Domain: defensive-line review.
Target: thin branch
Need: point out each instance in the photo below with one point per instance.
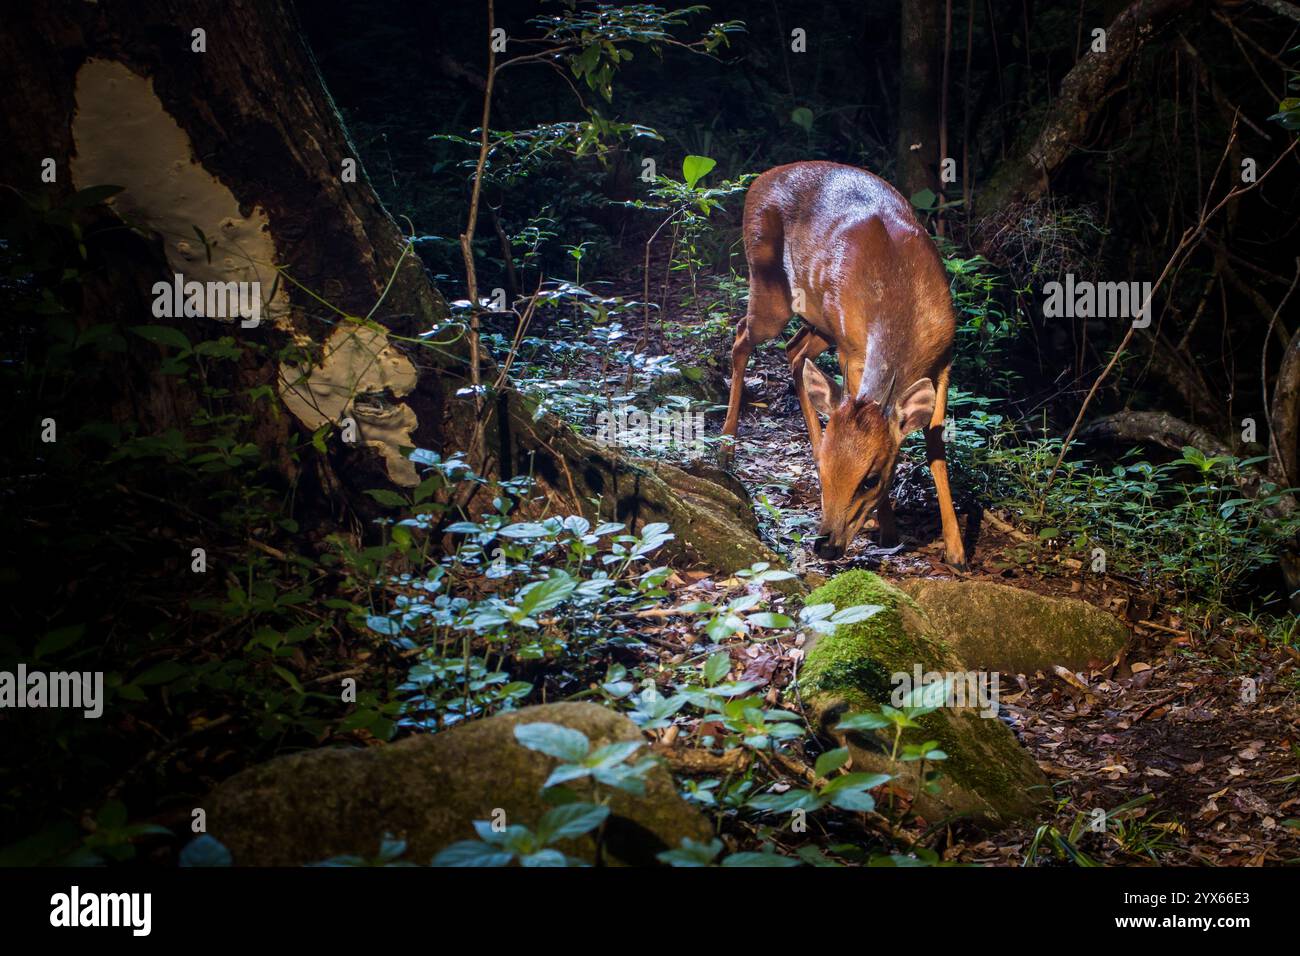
(520, 329)
(467, 241)
(1281, 8)
(1191, 238)
(1274, 448)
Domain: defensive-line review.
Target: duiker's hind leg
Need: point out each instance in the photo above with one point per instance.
(769, 311)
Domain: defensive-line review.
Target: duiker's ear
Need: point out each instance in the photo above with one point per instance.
(823, 393)
(915, 407)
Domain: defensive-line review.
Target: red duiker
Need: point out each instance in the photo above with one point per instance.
(842, 249)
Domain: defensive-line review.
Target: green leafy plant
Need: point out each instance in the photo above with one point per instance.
(500, 844)
(693, 853)
(529, 847)
(848, 791)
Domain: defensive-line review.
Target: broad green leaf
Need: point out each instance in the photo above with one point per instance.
(925, 199)
(544, 858)
(691, 853)
(163, 335)
(760, 859)
(57, 640)
(92, 195)
(544, 595)
(112, 815)
(161, 673)
(929, 695)
(816, 612)
(856, 781)
(862, 722)
(615, 753)
(717, 667)
(831, 761)
(694, 168)
(554, 741)
(768, 619)
(525, 529)
(288, 677)
(205, 850)
(855, 801)
(383, 625)
(389, 499)
(472, 853)
(570, 820)
(852, 615)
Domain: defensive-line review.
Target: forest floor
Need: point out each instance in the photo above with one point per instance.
(1167, 717)
(1169, 728)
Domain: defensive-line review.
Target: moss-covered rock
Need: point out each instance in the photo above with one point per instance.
(428, 790)
(992, 626)
(987, 774)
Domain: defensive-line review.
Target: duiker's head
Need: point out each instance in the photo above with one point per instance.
(855, 459)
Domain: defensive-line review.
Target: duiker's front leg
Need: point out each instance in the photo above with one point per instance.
(741, 349)
(954, 551)
(885, 519)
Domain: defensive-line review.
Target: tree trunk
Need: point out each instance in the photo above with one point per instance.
(236, 167)
(1284, 418)
(1084, 91)
(918, 97)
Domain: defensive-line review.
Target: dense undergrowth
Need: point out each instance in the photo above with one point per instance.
(462, 615)
(439, 613)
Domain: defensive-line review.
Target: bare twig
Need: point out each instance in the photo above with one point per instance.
(520, 329)
(467, 240)
(1191, 238)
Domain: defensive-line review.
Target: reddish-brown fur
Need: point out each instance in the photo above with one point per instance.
(873, 288)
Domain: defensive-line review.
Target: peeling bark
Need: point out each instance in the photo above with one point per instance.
(1158, 428)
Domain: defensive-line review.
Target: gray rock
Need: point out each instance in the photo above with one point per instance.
(992, 626)
(428, 790)
(988, 774)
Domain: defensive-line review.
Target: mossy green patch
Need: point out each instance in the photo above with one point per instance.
(864, 655)
(987, 772)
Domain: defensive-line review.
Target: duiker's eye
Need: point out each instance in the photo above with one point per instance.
(870, 482)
